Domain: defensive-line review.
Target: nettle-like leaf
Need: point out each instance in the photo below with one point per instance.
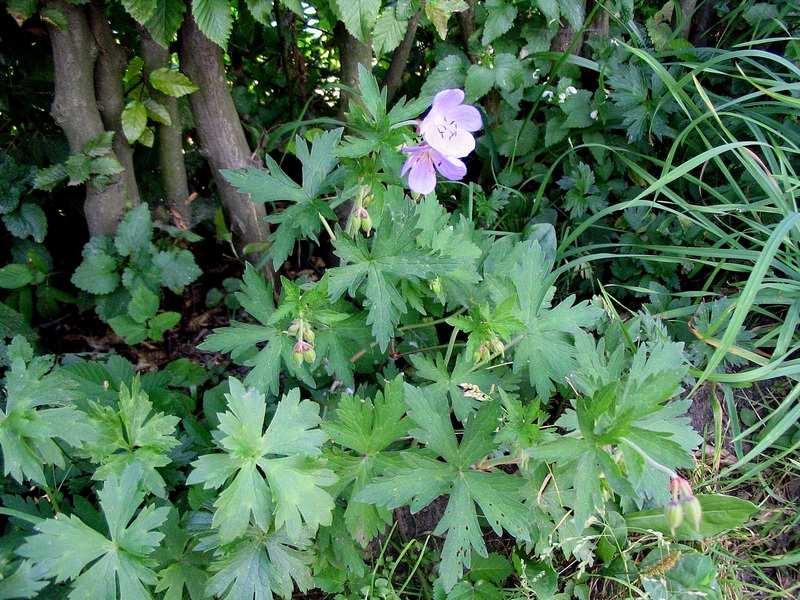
(132, 433)
(367, 428)
(134, 120)
(500, 18)
(167, 17)
(359, 17)
(271, 477)
(214, 19)
(171, 82)
(300, 220)
(103, 567)
(141, 10)
(423, 478)
(38, 410)
(439, 11)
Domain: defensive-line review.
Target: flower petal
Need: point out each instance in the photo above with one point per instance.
(422, 178)
(467, 116)
(446, 99)
(453, 142)
(449, 166)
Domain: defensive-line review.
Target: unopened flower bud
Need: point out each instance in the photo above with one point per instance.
(310, 335)
(481, 354)
(366, 222)
(310, 355)
(298, 358)
(497, 346)
(294, 328)
(356, 223)
(693, 511)
(436, 286)
(673, 511)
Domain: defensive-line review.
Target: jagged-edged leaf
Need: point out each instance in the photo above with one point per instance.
(214, 18)
(171, 82)
(135, 232)
(358, 16)
(134, 120)
(165, 20)
(28, 220)
(141, 10)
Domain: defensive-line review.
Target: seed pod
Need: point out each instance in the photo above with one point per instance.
(673, 511)
(497, 346)
(693, 511)
(298, 358)
(356, 223)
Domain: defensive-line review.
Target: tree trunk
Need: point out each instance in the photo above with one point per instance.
(168, 137)
(221, 135)
(352, 52)
(75, 110)
(108, 73)
(394, 74)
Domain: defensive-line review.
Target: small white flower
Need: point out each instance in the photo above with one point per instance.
(594, 114)
(548, 94)
(561, 98)
(536, 74)
(571, 90)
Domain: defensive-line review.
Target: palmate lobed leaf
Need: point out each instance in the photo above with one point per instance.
(66, 546)
(424, 478)
(276, 475)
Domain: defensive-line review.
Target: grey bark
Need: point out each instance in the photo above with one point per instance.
(108, 73)
(169, 138)
(221, 135)
(394, 74)
(352, 52)
(75, 110)
(687, 12)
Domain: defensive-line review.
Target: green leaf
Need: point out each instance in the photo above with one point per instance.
(28, 220)
(15, 276)
(21, 10)
(132, 434)
(499, 20)
(133, 331)
(134, 120)
(479, 81)
(181, 566)
(389, 31)
(369, 426)
(37, 410)
(47, 179)
(78, 168)
(97, 274)
(423, 479)
(135, 232)
(66, 547)
(105, 165)
(141, 10)
(178, 268)
(214, 18)
(257, 567)
(100, 146)
(359, 17)
(720, 514)
(143, 305)
(165, 21)
(157, 112)
(164, 321)
(439, 11)
(171, 82)
(276, 474)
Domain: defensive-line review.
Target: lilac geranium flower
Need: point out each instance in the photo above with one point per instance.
(449, 125)
(423, 163)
